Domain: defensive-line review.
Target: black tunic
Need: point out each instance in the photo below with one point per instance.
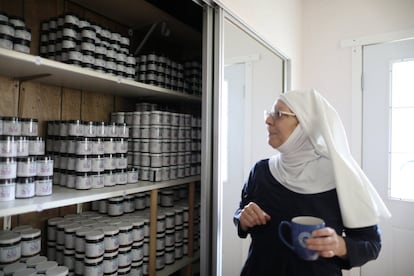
(269, 256)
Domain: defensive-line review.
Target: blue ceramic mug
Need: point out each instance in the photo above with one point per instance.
(301, 229)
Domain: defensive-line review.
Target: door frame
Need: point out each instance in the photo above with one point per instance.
(357, 46)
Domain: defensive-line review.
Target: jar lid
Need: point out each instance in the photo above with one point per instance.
(35, 260)
(8, 181)
(43, 267)
(30, 233)
(72, 227)
(58, 271)
(14, 267)
(54, 221)
(110, 230)
(125, 225)
(83, 230)
(44, 158)
(26, 272)
(36, 138)
(20, 228)
(6, 138)
(116, 199)
(94, 235)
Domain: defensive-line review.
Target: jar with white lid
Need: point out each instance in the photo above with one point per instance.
(100, 129)
(8, 167)
(125, 233)
(25, 187)
(44, 165)
(121, 177)
(29, 127)
(155, 145)
(11, 126)
(43, 185)
(132, 175)
(111, 239)
(121, 161)
(43, 267)
(137, 251)
(10, 250)
(93, 266)
(124, 257)
(26, 166)
(22, 145)
(160, 260)
(51, 251)
(80, 239)
(109, 145)
(115, 206)
(94, 244)
(7, 189)
(8, 146)
(109, 178)
(169, 255)
(69, 259)
(52, 228)
(97, 180)
(97, 163)
(89, 128)
(140, 201)
(70, 235)
(75, 128)
(129, 204)
(97, 145)
(122, 130)
(110, 263)
(83, 163)
(10, 269)
(83, 146)
(57, 271)
(109, 162)
(79, 264)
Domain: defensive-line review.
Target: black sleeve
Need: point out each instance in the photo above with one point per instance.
(362, 244)
(245, 199)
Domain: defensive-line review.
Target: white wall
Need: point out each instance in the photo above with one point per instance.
(279, 22)
(327, 66)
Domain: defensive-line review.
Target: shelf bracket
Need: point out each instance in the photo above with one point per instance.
(7, 223)
(79, 208)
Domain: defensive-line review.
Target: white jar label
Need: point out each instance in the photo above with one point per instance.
(30, 247)
(25, 190)
(10, 254)
(7, 192)
(43, 187)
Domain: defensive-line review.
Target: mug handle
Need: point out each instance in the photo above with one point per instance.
(281, 225)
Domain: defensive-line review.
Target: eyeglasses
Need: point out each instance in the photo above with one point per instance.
(277, 114)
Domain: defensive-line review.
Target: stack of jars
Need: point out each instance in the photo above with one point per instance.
(74, 40)
(19, 245)
(89, 154)
(24, 169)
(159, 70)
(14, 35)
(94, 244)
(164, 145)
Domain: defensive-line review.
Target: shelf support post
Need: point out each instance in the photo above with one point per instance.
(7, 223)
(153, 233)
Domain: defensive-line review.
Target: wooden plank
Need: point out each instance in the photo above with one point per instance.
(12, 7)
(9, 92)
(96, 107)
(35, 11)
(40, 101)
(124, 104)
(71, 104)
(153, 233)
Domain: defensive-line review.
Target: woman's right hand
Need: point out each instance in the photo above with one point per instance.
(252, 215)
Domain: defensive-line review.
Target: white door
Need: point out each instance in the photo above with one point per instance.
(388, 149)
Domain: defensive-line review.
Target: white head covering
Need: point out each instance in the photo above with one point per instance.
(317, 144)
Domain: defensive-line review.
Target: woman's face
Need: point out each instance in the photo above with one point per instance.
(280, 127)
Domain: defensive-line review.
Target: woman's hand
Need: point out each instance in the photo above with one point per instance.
(327, 242)
(252, 215)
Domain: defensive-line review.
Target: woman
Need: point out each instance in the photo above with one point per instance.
(313, 174)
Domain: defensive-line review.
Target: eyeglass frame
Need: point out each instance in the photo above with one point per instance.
(279, 113)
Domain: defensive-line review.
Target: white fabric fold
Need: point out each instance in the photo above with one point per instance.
(359, 201)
